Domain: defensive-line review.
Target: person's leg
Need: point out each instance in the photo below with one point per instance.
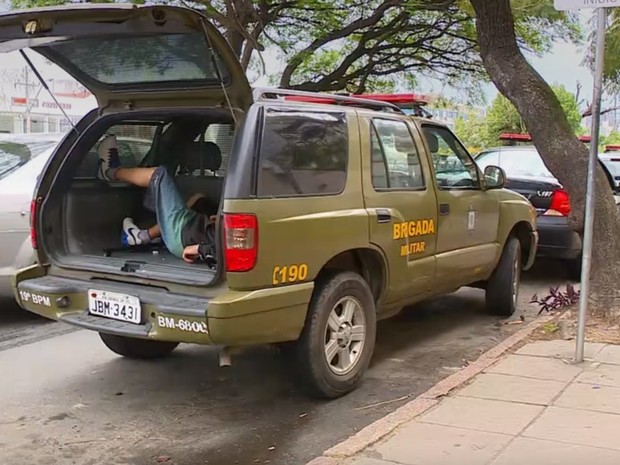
(133, 235)
(109, 161)
(154, 231)
(140, 177)
(193, 199)
(172, 212)
(136, 236)
(110, 168)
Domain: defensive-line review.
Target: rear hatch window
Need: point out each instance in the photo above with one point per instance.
(121, 61)
(124, 53)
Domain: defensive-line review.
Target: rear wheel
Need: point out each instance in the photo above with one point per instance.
(574, 269)
(137, 348)
(338, 339)
(503, 286)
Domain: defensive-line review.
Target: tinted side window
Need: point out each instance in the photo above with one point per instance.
(303, 153)
(395, 159)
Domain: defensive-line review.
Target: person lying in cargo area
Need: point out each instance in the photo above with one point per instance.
(186, 233)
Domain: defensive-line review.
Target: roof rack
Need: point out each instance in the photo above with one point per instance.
(268, 93)
(514, 138)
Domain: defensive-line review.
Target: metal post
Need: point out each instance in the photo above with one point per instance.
(591, 186)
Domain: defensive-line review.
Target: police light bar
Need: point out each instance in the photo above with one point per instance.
(515, 137)
(612, 148)
(402, 100)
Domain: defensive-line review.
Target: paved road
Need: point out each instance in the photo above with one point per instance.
(68, 400)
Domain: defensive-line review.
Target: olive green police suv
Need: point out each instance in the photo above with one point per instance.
(330, 215)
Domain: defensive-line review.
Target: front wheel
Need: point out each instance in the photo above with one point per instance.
(143, 349)
(503, 286)
(338, 339)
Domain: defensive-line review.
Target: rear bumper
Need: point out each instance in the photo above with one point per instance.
(232, 318)
(557, 239)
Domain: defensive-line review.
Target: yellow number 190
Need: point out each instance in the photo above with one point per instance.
(290, 274)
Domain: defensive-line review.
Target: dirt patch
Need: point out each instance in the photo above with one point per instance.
(564, 326)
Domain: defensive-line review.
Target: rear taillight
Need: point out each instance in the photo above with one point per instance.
(560, 204)
(33, 222)
(240, 241)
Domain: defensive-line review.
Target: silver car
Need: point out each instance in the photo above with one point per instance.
(22, 158)
(611, 159)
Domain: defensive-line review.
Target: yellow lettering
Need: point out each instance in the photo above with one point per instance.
(412, 248)
(413, 229)
(404, 250)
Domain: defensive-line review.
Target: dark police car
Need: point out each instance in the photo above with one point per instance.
(527, 174)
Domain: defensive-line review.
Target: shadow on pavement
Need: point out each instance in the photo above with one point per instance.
(188, 409)
(10, 312)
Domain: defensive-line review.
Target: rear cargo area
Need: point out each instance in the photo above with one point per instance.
(83, 215)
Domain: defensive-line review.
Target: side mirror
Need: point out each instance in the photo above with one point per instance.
(494, 177)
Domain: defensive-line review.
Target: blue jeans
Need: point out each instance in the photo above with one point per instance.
(163, 197)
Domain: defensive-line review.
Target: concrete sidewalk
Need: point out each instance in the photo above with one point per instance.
(531, 407)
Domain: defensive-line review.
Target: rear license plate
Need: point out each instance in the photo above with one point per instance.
(108, 304)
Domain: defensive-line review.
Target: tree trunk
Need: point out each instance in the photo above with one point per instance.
(561, 151)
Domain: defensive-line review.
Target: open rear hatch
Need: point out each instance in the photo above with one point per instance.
(132, 58)
(126, 54)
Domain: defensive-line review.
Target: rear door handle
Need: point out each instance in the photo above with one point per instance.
(444, 208)
(383, 215)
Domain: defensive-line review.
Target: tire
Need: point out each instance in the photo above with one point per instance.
(142, 349)
(574, 269)
(340, 375)
(503, 286)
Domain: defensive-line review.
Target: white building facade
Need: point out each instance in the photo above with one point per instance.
(27, 107)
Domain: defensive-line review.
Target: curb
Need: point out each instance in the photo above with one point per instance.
(384, 426)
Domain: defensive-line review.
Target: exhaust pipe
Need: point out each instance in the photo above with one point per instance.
(225, 357)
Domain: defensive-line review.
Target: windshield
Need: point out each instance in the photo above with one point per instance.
(16, 151)
(515, 162)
